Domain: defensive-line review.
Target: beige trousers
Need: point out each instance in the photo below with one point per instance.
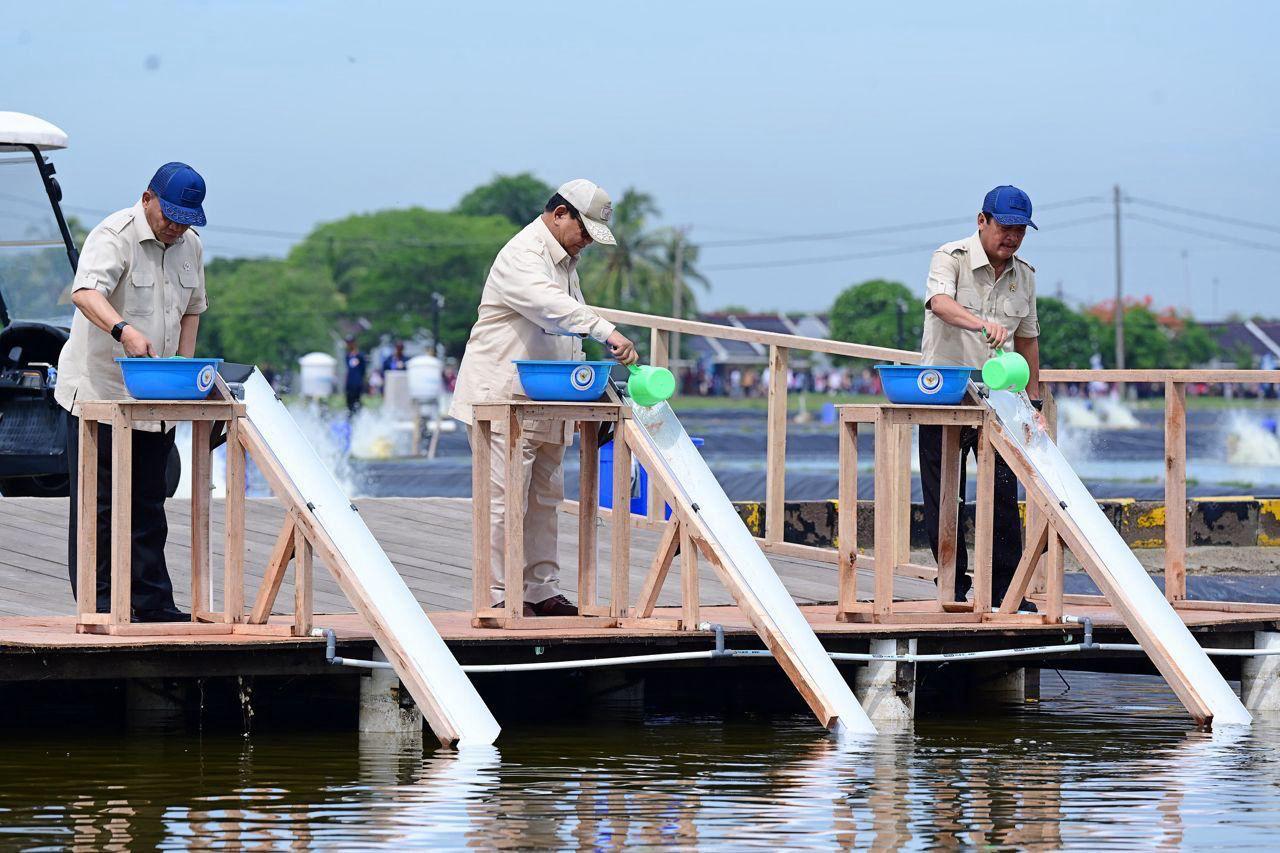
(544, 489)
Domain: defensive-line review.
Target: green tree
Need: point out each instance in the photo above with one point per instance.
(267, 312)
(878, 313)
(387, 265)
(1067, 338)
(1152, 340)
(517, 197)
(624, 275)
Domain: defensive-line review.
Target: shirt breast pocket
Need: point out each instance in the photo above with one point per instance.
(140, 299)
(1017, 307)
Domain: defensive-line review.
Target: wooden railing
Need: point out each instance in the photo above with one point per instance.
(780, 347)
(1175, 447)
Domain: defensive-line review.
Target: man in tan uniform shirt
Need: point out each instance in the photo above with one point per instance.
(981, 296)
(532, 308)
(139, 291)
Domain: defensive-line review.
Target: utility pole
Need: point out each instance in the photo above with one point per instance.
(677, 294)
(1119, 314)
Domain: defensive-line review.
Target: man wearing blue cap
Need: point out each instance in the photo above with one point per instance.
(139, 290)
(981, 298)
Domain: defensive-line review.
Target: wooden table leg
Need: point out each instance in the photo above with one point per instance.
(588, 509)
(201, 484)
(233, 528)
(1053, 578)
(619, 594)
(847, 518)
(302, 582)
(949, 538)
(516, 495)
(87, 519)
(984, 521)
(690, 592)
(886, 527)
(481, 516)
(121, 518)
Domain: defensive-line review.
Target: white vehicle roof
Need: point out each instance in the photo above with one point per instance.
(21, 129)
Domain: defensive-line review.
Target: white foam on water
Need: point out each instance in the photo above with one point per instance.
(1115, 414)
(1076, 413)
(1248, 442)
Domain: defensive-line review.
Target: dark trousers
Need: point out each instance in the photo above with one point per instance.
(1006, 546)
(151, 587)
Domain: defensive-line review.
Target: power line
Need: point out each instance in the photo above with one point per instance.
(876, 253)
(871, 232)
(1187, 229)
(1229, 220)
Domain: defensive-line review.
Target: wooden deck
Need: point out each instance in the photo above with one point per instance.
(429, 542)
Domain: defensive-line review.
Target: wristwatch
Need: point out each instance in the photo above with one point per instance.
(118, 329)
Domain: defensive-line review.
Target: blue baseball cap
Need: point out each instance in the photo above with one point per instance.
(180, 191)
(1009, 205)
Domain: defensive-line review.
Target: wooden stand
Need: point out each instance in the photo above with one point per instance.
(892, 521)
(514, 416)
(294, 541)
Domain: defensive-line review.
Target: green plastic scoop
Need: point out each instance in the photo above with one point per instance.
(1008, 371)
(649, 385)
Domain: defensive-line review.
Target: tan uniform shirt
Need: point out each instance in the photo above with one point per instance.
(962, 271)
(531, 300)
(151, 285)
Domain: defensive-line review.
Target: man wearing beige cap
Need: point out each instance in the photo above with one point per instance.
(532, 308)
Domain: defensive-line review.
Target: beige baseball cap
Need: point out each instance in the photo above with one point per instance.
(593, 206)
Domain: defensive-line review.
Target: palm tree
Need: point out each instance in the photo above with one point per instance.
(618, 276)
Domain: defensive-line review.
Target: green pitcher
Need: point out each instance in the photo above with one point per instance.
(1007, 371)
(649, 385)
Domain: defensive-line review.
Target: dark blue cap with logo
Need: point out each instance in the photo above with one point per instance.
(1009, 205)
(180, 191)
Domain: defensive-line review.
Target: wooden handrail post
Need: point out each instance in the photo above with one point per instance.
(1175, 491)
(776, 447)
(659, 356)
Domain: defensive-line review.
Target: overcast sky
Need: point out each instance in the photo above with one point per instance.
(744, 120)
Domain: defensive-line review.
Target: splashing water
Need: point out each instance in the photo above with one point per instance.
(1074, 412)
(331, 437)
(1248, 442)
(379, 434)
(1115, 413)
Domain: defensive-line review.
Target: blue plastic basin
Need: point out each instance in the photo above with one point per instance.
(169, 378)
(565, 381)
(924, 384)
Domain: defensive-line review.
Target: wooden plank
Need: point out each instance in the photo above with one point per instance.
(277, 566)
(1175, 491)
(481, 515)
(87, 520)
(121, 518)
(302, 583)
(886, 527)
(542, 411)
(619, 594)
(233, 527)
(201, 494)
(1053, 571)
(776, 445)
(984, 521)
(1037, 542)
(902, 511)
(948, 513)
(658, 570)
(588, 507)
(847, 517)
(690, 594)
(157, 410)
(737, 333)
(515, 495)
(1258, 607)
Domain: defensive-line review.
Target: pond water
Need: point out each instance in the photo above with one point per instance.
(1111, 762)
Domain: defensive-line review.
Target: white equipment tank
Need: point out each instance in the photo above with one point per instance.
(316, 374)
(425, 380)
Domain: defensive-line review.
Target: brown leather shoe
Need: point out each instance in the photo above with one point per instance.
(556, 605)
(527, 611)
